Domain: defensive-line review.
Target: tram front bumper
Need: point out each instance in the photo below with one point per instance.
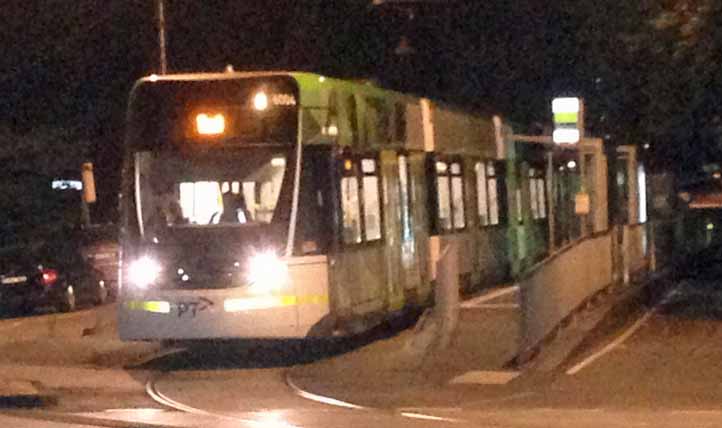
(218, 315)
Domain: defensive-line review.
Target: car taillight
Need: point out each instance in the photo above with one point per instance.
(49, 276)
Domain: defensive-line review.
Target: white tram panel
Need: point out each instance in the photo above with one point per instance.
(231, 313)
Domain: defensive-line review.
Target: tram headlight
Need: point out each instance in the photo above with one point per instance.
(144, 271)
(260, 101)
(267, 273)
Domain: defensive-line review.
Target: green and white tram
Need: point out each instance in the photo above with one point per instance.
(279, 205)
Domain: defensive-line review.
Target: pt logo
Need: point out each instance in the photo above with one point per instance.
(193, 307)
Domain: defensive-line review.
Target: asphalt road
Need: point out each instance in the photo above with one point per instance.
(668, 356)
(239, 385)
(659, 366)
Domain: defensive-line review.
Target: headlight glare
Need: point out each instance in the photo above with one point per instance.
(267, 273)
(144, 271)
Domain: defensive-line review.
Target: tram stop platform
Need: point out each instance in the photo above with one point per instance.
(477, 370)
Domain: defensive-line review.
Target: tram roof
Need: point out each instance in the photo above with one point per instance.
(308, 82)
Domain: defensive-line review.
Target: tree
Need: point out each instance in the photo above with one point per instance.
(648, 72)
(29, 163)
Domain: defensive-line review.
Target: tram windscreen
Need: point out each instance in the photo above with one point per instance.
(211, 190)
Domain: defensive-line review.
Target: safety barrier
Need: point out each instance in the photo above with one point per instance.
(636, 241)
(555, 287)
(558, 286)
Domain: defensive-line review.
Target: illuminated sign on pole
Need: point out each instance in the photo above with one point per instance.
(568, 120)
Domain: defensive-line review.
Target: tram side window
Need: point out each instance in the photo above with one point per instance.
(450, 192)
(372, 203)
(444, 199)
(536, 191)
(404, 196)
(315, 213)
(533, 195)
(493, 189)
(361, 202)
(351, 211)
(482, 203)
(541, 186)
(457, 196)
(487, 193)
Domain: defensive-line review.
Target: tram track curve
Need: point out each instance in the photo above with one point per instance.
(159, 397)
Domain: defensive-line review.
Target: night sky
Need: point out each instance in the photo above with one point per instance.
(70, 65)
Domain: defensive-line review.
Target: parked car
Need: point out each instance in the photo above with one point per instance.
(41, 247)
(39, 275)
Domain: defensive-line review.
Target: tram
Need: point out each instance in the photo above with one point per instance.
(292, 205)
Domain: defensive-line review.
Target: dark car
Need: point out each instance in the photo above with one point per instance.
(42, 274)
(41, 247)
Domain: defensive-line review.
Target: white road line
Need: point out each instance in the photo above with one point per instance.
(498, 306)
(428, 409)
(427, 417)
(320, 398)
(619, 340)
(476, 301)
(485, 377)
(338, 403)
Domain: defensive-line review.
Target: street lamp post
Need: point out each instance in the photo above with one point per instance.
(161, 37)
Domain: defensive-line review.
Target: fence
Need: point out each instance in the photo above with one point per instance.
(557, 286)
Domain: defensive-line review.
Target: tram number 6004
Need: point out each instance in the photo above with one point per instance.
(193, 307)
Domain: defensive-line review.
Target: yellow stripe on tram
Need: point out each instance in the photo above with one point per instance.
(159, 307)
(312, 299)
(239, 304)
(268, 302)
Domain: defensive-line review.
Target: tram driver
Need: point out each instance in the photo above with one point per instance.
(234, 208)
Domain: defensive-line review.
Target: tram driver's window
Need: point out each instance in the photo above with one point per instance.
(350, 210)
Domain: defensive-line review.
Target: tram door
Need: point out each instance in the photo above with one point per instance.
(392, 233)
(408, 230)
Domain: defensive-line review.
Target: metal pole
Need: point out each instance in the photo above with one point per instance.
(161, 36)
(447, 294)
(551, 200)
(584, 189)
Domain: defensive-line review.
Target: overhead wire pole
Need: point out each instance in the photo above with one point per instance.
(161, 37)
(444, 317)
